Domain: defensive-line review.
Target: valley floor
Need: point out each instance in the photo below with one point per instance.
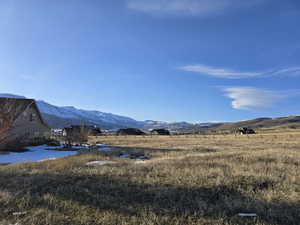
(189, 180)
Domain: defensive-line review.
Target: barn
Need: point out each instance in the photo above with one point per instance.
(21, 123)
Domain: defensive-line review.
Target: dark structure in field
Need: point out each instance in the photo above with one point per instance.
(75, 130)
(80, 133)
(130, 131)
(21, 123)
(246, 130)
(160, 132)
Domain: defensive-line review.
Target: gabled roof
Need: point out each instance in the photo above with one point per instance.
(16, 107)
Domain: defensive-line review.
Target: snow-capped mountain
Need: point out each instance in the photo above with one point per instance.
(74, 115)
(151, 124)
(59, 117)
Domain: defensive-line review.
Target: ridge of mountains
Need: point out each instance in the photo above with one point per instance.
(59, 117)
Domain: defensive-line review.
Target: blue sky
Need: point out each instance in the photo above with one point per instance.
(170, 60)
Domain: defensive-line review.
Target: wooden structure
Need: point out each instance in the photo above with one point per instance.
(160, 132)
(245, 130)
(21, 123)
(80, 133)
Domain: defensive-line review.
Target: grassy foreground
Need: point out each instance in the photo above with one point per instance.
(204, 180)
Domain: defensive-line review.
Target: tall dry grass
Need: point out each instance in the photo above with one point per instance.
(189, 180)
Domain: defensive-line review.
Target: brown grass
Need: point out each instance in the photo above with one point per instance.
(189, 180)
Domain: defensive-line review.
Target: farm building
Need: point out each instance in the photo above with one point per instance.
(79, 133)
(130, 131)
(246, 130)
(76, 130)
(160, 132)
(21, 123)
(56, 132)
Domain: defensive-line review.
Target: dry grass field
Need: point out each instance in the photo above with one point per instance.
(189, 180)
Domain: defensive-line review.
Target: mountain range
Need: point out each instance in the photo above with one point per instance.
(64, 116)
(59, 117)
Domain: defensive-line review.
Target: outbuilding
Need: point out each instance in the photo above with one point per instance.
(21, 123)
(160, 132)
(246, 130)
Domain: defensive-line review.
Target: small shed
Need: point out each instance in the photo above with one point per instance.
(246, 130)
(81, 130)
(160, 132)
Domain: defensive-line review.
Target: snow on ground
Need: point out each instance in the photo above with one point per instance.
(35, 154)
(44, 153)
(140, 162)
(124, 156)
(106, 149)
(100, 163)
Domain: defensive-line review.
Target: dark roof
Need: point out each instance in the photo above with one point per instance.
(130, 131)
(16, 107)
(161, 131)
(78, 128)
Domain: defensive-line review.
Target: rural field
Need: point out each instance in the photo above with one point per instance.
(189, 180)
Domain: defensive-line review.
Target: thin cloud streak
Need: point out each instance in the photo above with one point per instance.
(231, 74)
(292, 70)
(251, 98)
(218, 72)
(190, 7)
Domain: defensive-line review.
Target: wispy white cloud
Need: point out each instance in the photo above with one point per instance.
(251, 98)
(218, 72)
(232, 74)
(190, 7)
(293, 71)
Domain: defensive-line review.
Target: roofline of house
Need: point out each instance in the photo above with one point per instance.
(33, 102)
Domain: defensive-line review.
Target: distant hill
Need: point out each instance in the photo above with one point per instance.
(281, 122)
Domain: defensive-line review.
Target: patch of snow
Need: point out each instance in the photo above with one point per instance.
(100, 163)
(35, 154)
(247, 214)
(100, 145)
(19, 213)
(105, 149)
(142, 158)
(48, 159)
(140, 162)
(124, 156)
(80, 147)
